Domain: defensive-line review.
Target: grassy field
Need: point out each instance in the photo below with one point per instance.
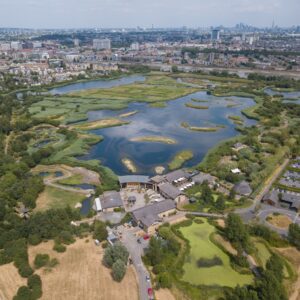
(180, 158)
(192, 105)
(201, 129)
(53, 197)
(81, 275)
(202, 247)
(10, 281)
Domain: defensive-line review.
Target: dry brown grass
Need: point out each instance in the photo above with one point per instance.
(293, 255)
(225, 244)
(280, 221)
(164, 294)
(10, 281)
(81, 275)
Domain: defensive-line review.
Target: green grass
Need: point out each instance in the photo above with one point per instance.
(73, 180)
(180, 158)
(198, 236)
(263, 253)
(58, 198)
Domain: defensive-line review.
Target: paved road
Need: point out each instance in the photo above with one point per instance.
(136, 251)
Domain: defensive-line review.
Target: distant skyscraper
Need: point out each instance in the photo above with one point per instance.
(215, 34)
(76, 42)
(100, 44)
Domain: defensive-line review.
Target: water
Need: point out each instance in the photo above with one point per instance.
(58, 174)
(165, 122)
(86, 206)
(42, 143)
(83, 186)
(96, 84)
(288, 97)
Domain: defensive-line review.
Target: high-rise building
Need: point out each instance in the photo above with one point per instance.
(16, 45)
(100, 44)
(215, 34)
(135, 46)
(76, 42)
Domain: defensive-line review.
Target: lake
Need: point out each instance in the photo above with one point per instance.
(96, 84)
(166, 121)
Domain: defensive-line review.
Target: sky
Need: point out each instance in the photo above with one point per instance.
(144, 13)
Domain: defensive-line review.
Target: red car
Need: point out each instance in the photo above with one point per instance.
(146, 237)
(150, 293)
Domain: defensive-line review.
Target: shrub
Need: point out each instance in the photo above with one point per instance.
(34, 239)
(41, 260)
(59, 247)
(158, 269)
(164, 281)
(53, 262)
(209, 262)
(198, 221)
(118, 270)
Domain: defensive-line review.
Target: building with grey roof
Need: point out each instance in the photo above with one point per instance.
(243, 188)
(110, 200)
(135, 181)
(202, 177)
(176, 175)
(150, 217)
(271, 198)
(292, 199)
(169, 191)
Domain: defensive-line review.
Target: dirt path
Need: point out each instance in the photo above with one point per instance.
(296, 294)
(7, 141)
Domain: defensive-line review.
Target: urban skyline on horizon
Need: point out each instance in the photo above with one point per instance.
(68, 14)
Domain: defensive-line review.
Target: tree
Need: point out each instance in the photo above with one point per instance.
(294, 235)
(236, 232)
(114, 253)
(206, 193)
(242, 293)
(100, 231)
(275, 265)
(118, 270)
(41, 260)
(220, 203)
(232, 194)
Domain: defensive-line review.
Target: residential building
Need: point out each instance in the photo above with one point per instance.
(100, 44)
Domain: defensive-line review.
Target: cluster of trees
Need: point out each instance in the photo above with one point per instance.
(294, 235)
(32, 291)
(116, 258)
(161, 254)
(267, 286)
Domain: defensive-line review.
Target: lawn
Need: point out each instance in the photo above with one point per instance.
(53, 197)
(202, 248)
(263, 253)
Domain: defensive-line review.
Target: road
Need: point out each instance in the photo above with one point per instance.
(249, 213)
(136, 251)
(267, 210)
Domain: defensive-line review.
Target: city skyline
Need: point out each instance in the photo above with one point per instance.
(133, 13)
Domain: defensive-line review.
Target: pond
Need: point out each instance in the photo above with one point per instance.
(166, 122)
(288, 97)
(86, 206)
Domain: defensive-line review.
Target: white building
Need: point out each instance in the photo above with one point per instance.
(16, 45)
(100, 44)
(135, 47)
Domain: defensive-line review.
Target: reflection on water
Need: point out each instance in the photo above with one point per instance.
(165, 122)
(289, 97)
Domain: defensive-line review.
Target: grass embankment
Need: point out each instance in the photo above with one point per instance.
(180, 158)
(98, 124)
(202, 247)
(236, 120)
(155, 139)
(202, 129)
(192, 105)
(129, 164)
(158, 104)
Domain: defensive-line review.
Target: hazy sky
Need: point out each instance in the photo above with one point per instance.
(132, 13)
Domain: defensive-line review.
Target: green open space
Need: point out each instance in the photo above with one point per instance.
(201, 247)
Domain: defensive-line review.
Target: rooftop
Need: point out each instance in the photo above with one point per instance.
(169, 190)
(111, 199)
(148, 214)
(134, 179)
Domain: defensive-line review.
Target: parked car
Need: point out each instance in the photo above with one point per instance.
(150, 293)
(148, 278)
(146, 237)
(139, 241)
